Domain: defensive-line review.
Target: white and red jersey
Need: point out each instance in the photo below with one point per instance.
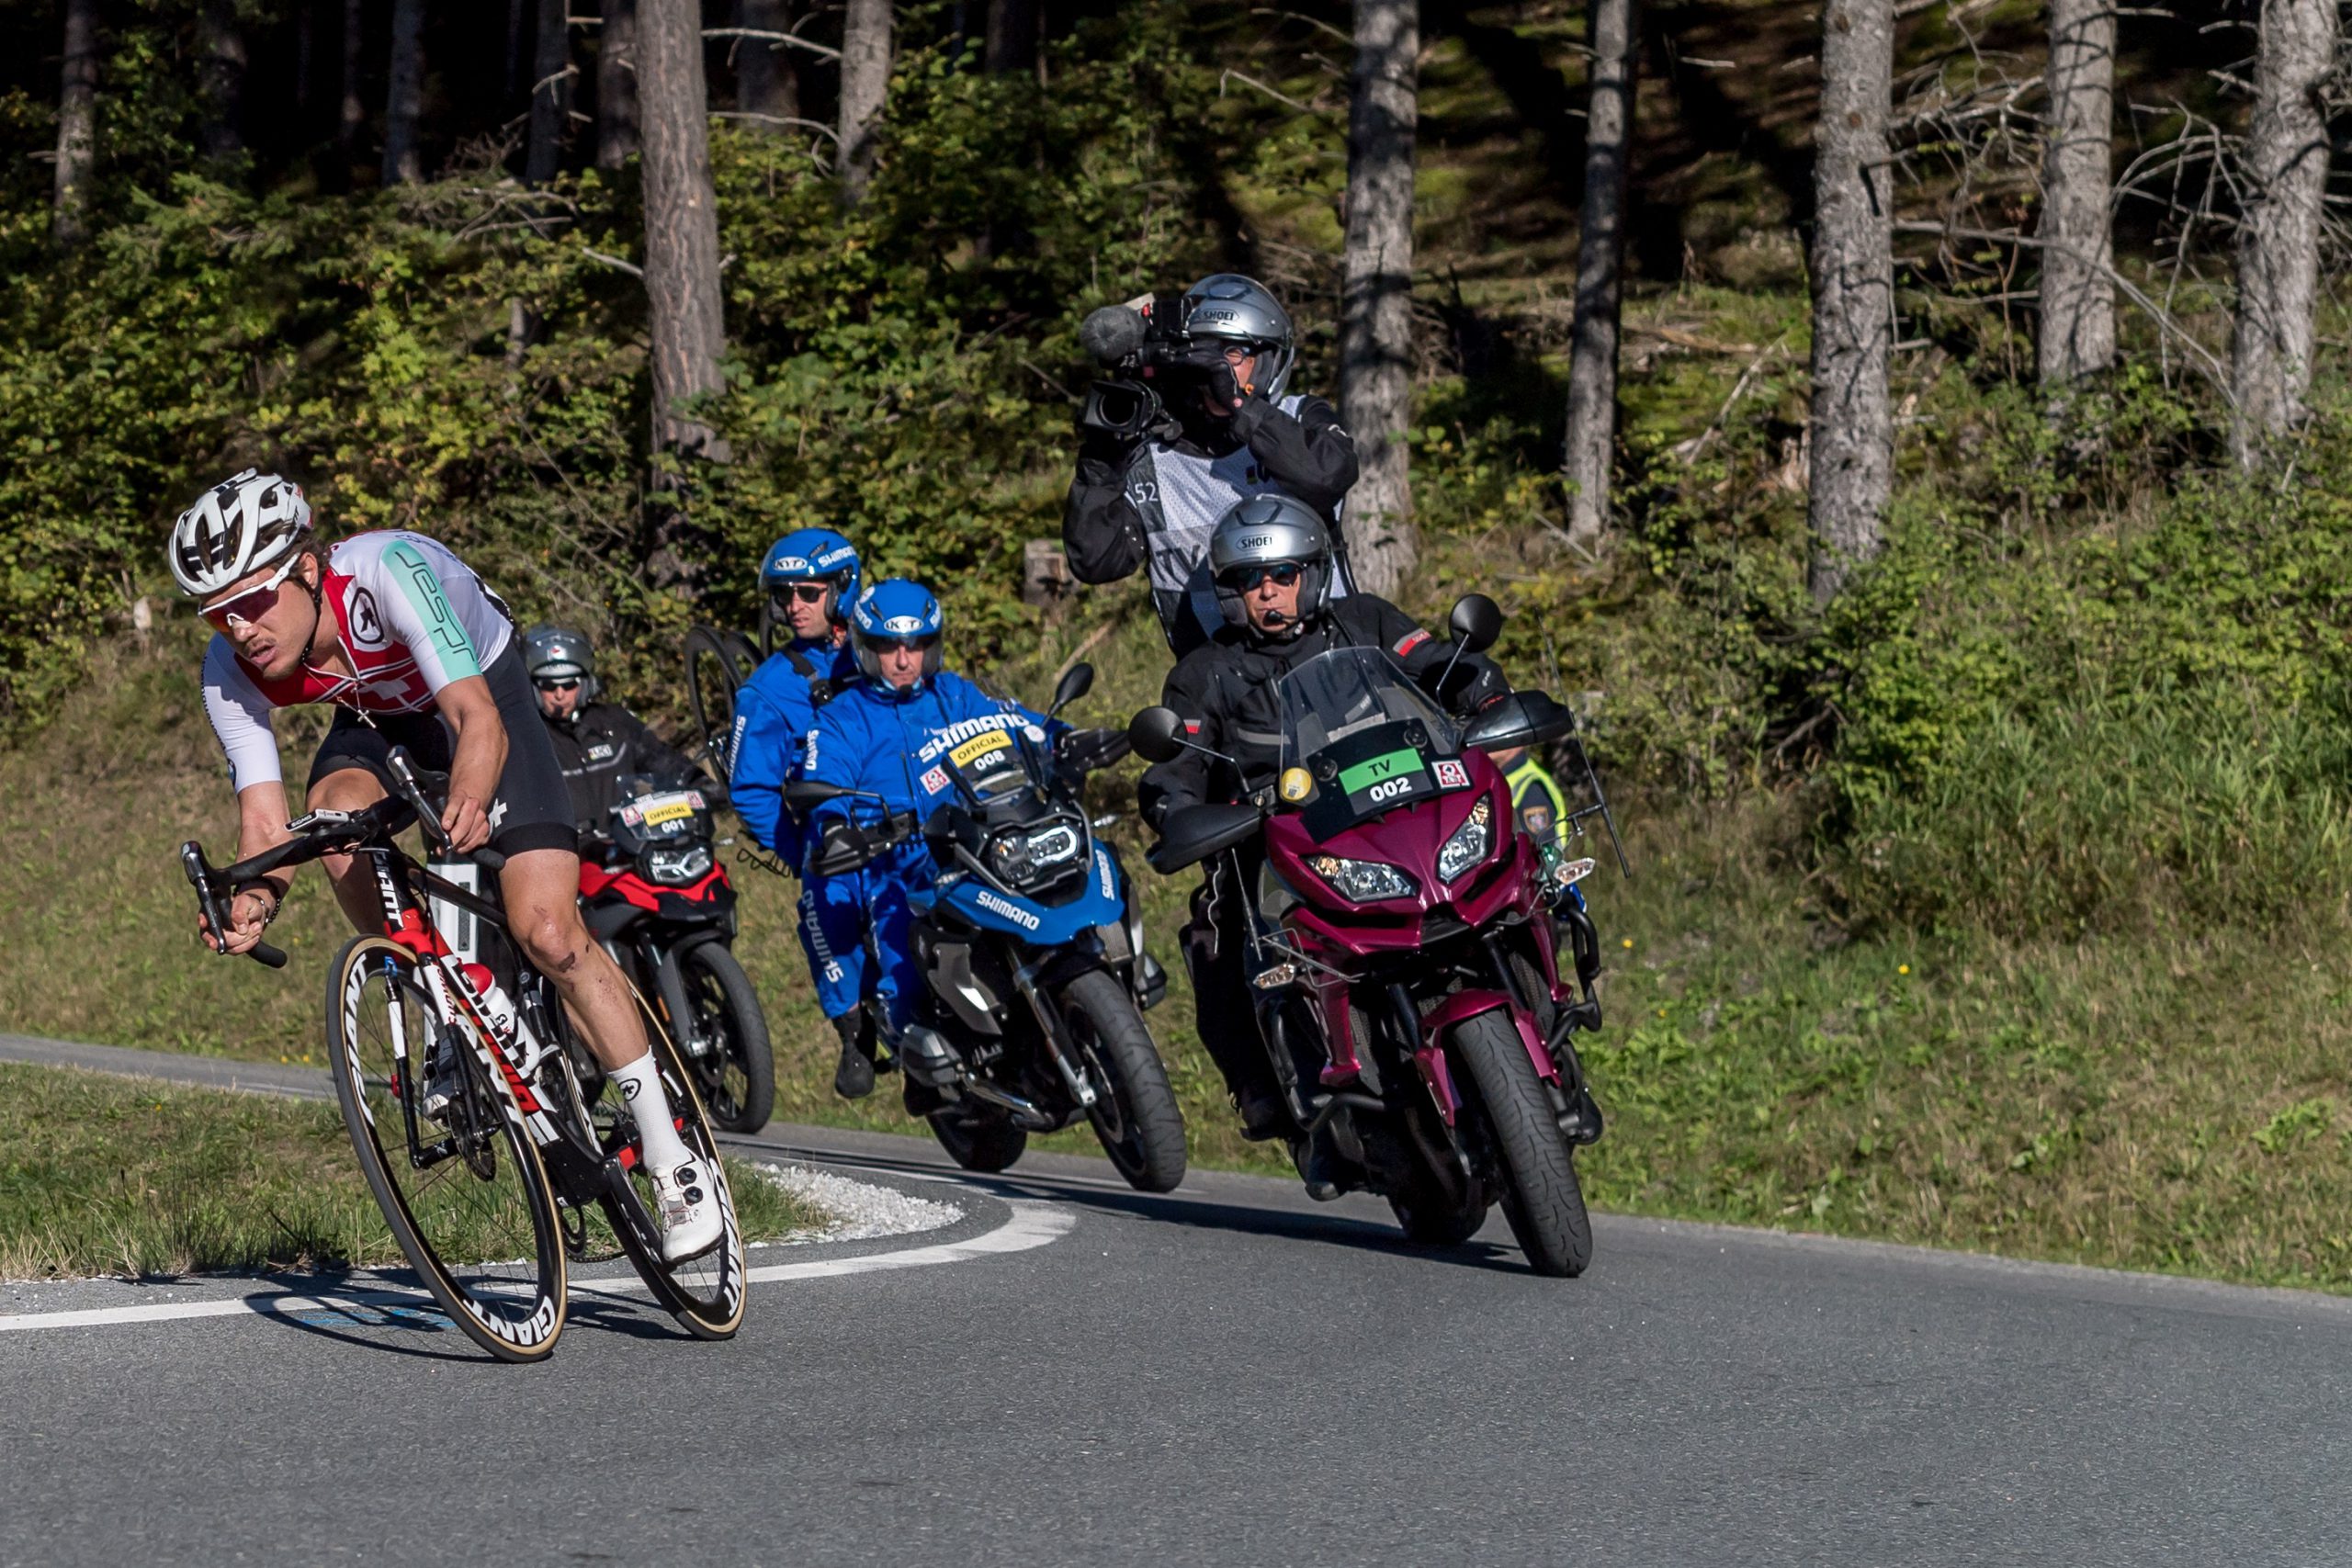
(411, 617)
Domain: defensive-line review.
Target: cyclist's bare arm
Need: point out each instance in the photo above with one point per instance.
(480, 758)
(261, 823)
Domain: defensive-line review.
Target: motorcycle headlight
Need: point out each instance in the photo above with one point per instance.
(1018, 858)
(1362, 880)
(1470, 842)
(675, 868)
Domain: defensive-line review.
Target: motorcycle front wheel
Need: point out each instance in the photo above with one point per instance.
(1541, 1197)
(1134, 1113)
(737, 1079)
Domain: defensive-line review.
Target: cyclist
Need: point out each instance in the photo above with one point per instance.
(810, 576)
(595, 742)
(885, 735)
(413, 650)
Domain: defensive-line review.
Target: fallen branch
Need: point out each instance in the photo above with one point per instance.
(823, 51)
(1681, 339)
(1233, 75)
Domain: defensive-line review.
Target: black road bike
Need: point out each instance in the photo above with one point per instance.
(458, 1087)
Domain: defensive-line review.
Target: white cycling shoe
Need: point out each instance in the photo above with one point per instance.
(691, 1222)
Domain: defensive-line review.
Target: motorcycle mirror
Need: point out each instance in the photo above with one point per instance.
(1075, 683)
(1156, 734)
(804, 795)
(1477, 622)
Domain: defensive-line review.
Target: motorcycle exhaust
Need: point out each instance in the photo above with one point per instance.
(1024, 1112)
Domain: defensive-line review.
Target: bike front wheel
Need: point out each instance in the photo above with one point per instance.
(463, 1191)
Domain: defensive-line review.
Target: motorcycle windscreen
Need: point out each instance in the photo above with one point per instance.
(1358, 738)
(989, 766)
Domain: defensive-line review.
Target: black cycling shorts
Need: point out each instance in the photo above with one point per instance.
(533, 809)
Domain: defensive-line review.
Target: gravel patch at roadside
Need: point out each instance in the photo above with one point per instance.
(860, 1209)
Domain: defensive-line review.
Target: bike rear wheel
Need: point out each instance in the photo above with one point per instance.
(705, 1293)
(737, 1077)
(1541, 1197)
(717, 663)
(465, 1196)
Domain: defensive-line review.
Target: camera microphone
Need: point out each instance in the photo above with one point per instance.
(1112, 333)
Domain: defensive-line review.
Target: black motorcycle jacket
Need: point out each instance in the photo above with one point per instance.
(599, 743)
(1152, 504)
(1224, 692)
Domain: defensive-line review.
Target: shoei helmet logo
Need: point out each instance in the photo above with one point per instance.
(366, 625)
(1009, 910)
(1255, 542)
(1216, 316)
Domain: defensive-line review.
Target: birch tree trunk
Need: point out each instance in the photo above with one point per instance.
(866, 83)
(1012, 36)
(352, 121)
(1376, 290)
(767, 77)
(550, 93)
(77, 122)
(1853, 293)
(2078, 249)
(616, 85)
(1615, 41)
(680, 223)
(220, 75)
(2277, 261)
(404, 95)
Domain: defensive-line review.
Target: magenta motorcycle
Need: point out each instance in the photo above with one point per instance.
(1403, 946)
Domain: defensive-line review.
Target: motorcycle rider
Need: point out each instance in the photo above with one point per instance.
(810, 576)
(595, 742)
(1152, 501)
(413, 650)
(1271, 560)
(885, 735)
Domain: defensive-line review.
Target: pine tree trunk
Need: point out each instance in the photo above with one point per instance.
(1853, 293)
(616, 85)
(866, 83)
(550, 94)
(1012, 36)
(767, 77)
(2078, 249)
(221, 75)
(1376, 290)
(77, 121)
(404, 95)
(2277, 261)
(1600, 254)
(352, 121)
(515, 11)
(680, 223)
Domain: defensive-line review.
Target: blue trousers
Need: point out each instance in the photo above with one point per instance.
(858, 931)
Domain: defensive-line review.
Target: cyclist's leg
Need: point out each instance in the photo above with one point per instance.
(541, 891)
(353, 771)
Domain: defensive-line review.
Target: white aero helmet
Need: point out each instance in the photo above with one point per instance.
(246, 522)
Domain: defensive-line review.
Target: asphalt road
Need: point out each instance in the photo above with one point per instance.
(1228, 1373)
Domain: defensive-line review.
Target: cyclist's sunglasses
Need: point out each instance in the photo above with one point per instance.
(1284, 574)
(243, 609)
(806, 593)
(557, 683)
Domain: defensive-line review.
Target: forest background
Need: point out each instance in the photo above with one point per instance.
(1990, 860)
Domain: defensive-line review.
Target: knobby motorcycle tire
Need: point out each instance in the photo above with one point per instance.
(1541, 1197)
(1143, 1130)
(746, 1040)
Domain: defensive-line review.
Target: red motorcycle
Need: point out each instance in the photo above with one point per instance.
(1401, 947)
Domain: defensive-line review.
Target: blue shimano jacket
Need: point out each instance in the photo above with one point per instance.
(775, 713)
(870, 737)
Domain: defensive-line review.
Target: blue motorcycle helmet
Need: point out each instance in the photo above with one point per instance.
(811, 554)
(896, 611)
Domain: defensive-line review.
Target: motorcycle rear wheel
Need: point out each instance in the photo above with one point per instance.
(986, 1145)
(1541, 1197)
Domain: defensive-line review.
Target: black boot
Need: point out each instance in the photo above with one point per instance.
(854, 1079)
(1318, 1158)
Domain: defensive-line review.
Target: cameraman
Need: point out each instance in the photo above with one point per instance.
(1156, 472)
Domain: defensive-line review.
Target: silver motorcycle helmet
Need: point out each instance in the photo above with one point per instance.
(1228, 308)
(1268, 531)
(557, 653)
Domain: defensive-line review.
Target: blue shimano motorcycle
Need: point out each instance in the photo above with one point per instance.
(1031, 952)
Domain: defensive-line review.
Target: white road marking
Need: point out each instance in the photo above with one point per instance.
(1031, 1225)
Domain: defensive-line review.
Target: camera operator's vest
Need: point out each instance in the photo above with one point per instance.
(1179, 496)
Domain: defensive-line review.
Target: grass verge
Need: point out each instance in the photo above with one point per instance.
(105, 1175)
